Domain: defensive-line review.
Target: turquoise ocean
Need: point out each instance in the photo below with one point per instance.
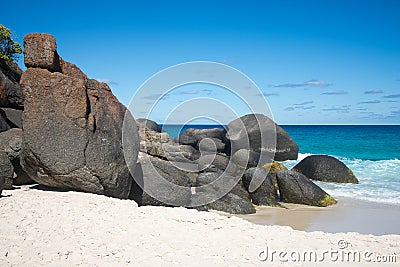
(372, 152)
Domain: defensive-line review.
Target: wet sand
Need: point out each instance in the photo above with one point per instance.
(349, 215)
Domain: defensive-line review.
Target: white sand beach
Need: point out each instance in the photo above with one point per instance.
(348, 215)
(52, 228)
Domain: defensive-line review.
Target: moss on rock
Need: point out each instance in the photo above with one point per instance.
(327, 201)
(274, 167)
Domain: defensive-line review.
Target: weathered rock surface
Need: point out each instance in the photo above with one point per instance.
(136, 192)
(247, 158)
(4, 126)
(148, 135)
(222, 183)
(235, 170)
(213, 162)
(158, 175)
(72, 125)
(325, 168)
(6, 172)
(266, 193)
(10, 90)
(296, 188)
(40, 51)
(211, 145)
(229, 203)
(257, 133)
(193, 136)
(180, 153)
(272, 169)
(1, 184)
(10, 143)
(149, 124)
(150, 131)
(13, 117)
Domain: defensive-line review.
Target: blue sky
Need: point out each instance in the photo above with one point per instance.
(316, 62)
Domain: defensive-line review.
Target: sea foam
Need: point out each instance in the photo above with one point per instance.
(379, 180)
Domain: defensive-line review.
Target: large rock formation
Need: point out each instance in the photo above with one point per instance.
(258, 133)
(72, 125)
(297, 188)
(325, 168)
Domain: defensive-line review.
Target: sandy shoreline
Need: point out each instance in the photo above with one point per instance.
(348, 215)
(71, 228)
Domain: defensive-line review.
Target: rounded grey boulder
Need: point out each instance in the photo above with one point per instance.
(259, 133)
(296, 188)
(325, 168)
(193, 136)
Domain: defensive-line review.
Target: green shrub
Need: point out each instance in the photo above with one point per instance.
(9, 50)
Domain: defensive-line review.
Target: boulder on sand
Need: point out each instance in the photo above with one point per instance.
(222, 182)
(72, 125)
(218, 191)
(164, 184)
(265, 194)
(229, 203)
(296, 188)
(325, 168)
